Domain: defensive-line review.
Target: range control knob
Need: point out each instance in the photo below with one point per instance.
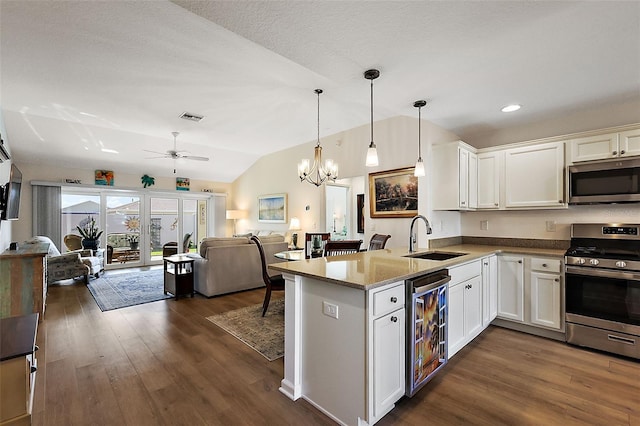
(621, 264)
(594, 261)
(579, 261)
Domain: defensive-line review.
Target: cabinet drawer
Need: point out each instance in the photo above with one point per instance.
(464, 272)
(548, 265)
(388, 300)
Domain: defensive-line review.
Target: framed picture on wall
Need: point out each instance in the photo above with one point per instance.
(272, 208)
(393, 193)
(360, 198)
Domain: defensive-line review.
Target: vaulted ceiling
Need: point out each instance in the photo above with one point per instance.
(94, 84)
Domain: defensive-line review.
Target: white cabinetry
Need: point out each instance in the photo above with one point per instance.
(545, 292)
(489, 289)
(455, 176)
(388, 343)
(489, 166)
(534, 176)
(511, 288)
(605, 146)
(465, 305)
(531, 291)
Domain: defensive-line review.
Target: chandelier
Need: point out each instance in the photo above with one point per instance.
(318, 173)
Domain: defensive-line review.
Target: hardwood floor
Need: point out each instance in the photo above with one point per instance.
(163, 363)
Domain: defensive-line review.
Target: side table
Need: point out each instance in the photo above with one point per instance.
(178, 275)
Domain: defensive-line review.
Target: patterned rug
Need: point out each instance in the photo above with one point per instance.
(265, 334)
(115, 290)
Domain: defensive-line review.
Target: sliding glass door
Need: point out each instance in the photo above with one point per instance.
(123, 229)
(164, 228)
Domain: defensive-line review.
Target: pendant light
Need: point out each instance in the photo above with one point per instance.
(318, 173)
(372, 152)
(419, 169)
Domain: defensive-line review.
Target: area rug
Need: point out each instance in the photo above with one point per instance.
(119, 290)
(265, 334)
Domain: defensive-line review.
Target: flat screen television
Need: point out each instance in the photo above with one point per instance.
(11, 198)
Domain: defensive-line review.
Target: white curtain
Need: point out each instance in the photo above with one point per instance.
(46, 207)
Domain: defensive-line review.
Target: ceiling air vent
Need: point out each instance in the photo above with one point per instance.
(191, 117)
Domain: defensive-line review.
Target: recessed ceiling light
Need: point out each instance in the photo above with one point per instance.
(510, 108)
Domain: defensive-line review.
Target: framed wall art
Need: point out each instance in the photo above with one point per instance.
(272, 208)
(182, 184)
(393, 193)
(104, 177)
(360, 198)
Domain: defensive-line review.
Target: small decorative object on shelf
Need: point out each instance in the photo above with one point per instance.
(90, 233)
(147, 181)
(73, 181)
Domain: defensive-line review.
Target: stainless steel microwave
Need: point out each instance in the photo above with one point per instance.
(616, 181)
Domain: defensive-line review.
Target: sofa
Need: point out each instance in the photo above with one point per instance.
(227, 265)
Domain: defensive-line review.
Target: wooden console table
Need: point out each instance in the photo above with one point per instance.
(23, 280)
(17, 368)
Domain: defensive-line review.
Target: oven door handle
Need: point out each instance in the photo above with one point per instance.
(602, 273)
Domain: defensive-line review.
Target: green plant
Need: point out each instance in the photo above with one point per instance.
(89, 230)
(133, 238)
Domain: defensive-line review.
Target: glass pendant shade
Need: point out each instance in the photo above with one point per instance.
(317, 173)
(372, 156)
(419, 169)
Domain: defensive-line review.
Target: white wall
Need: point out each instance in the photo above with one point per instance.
(533, 223)
(396, 139)
(22, 228)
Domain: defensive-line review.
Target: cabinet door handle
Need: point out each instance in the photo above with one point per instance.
(622, 152)
(615, 153)
(394, 299)
(560, 201)
(544, 265)
(557, 280)
(486, 263)
(462, 202)
(495, 204)
(394, 319)
(519, 261)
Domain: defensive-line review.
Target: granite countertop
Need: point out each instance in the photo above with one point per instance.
(368, 270)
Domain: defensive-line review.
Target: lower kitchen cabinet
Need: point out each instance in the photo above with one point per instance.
(489, 289)
(511, 288)
(531, 291)
(388, 361)
(545, 293)
(465, 305)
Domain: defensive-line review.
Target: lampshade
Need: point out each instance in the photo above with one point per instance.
(294, 224)
(236, 214)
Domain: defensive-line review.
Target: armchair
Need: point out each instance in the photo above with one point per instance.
(74, 264)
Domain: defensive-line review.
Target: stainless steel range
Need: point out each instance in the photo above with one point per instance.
(603, 288)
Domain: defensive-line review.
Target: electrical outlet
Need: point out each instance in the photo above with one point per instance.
(484, 225)
(551, 226)
(330, 310)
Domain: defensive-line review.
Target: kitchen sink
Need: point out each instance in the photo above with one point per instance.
(436, 255)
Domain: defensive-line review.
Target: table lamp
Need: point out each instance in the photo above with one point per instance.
(294, 225)
(235, 215)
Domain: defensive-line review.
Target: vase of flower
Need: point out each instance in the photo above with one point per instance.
(90, 233)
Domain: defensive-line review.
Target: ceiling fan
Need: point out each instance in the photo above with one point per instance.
(174, 154)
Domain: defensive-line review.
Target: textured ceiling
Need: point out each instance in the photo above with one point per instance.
(77, 76)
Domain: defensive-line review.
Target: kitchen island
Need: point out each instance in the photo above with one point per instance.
(345, 327)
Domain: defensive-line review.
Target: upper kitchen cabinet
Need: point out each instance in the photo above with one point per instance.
(455, 176)
(489, 166)
(534, 176)
(604, 146)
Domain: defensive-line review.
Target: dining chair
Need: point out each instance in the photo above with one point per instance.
(378, 241)
(338, 247)
(314, 243)
(273, 283)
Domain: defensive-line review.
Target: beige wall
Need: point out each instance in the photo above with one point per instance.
(397, 142)
(22, 228)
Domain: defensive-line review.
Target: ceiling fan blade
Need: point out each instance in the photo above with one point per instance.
(195, 157)
(155, 152)
(154, 158)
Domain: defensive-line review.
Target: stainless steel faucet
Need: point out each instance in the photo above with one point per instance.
(412, 235)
